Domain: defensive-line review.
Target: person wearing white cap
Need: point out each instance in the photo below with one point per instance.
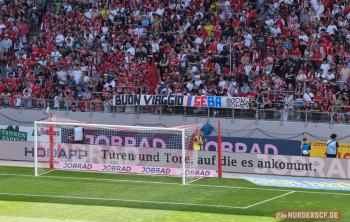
(335, 9)
(161, 87)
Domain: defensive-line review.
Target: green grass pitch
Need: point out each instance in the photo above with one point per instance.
(85, 196)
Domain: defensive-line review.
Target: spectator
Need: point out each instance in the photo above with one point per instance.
(302, 111)
(82, 83)
(22, 31)
(308, 96)
(71, 83)
(277, 49)
(245, 88)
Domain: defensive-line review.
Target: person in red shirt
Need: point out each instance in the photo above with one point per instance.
(240, 94)
(46, 16)
(22, 31)
(326, 106)
(133, 66)
(6, 22)
(62, 62)
(202, 33)
(317, 57)
(318, 97)
(251, 94)
(286, 32)
(11, 8)
(36, 88)
(2, 87)
(35, 51)
(269, 42)
(9, 80)
(330, 51)
(14, 86)
(79, 16)
(296, 52)
(47, 84)
(43, 51)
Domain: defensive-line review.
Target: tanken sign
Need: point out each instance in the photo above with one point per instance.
(175, 100)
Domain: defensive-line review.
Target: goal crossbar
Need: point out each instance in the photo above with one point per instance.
(180, 129)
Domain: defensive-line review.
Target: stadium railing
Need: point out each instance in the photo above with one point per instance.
(279, 113)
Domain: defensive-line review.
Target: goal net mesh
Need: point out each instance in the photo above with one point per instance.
(74, 145)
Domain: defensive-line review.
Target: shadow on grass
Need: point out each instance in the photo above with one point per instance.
(137, 205)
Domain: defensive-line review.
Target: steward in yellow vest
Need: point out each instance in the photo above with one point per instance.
(197, 142)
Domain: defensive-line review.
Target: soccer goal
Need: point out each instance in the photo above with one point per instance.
(79, 146)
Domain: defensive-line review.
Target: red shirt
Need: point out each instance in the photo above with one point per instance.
(286, 32)
(130, 78)
(297, 53)
(280, 22)
(326, 104)
(317, 56)
(269, 42)
(44, 53)
(202, 33)
(8, 10)
(251, 95)
(2, 88)
(35, 53)
(329, 49)
(14, 86)
(133, 67)
(37, 90)
(8, 81)
(318, 97)
(7, 24)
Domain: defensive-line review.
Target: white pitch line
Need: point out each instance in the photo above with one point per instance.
(82, 178)
(268, 200)
(197, 185)
(123, 200)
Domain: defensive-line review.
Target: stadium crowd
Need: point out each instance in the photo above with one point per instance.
(276, 52)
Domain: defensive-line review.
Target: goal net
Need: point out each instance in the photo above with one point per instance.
(74, 145)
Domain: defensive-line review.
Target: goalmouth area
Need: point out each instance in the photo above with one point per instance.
(88, 196)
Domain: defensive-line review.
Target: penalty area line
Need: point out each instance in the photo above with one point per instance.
(122, 200)
(269, 199)
(179, 184)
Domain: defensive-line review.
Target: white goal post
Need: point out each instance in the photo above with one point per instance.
(74, 145)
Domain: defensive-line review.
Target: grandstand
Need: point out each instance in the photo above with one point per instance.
(141, 77)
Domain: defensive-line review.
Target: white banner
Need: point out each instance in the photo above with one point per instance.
(207, 160)
(174, 100)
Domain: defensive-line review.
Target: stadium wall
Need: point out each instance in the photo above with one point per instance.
(207, 160)
(240, 128)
